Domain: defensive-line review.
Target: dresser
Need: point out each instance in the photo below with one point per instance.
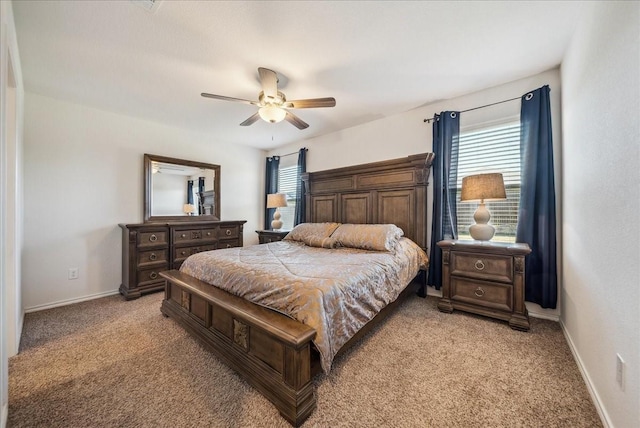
(266, 236)
(150, 248)
(486, 278)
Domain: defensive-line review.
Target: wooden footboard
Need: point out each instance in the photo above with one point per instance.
(271, 351)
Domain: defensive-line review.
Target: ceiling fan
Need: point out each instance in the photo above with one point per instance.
(273, 104)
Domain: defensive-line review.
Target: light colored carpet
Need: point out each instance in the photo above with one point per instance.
(111, 363)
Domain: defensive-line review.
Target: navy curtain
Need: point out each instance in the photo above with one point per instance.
(201, 195)
(446, 132)
(270, 186)
(300, 190)
(190, 191)
(537, 212)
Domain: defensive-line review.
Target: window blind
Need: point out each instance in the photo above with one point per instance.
(491, 149)
(287, 185)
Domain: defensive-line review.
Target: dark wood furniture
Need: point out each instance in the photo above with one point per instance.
(272, 352)
(486, 278)
(150, 248)
(266, 236)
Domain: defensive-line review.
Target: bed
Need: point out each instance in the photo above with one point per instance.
(275, 353)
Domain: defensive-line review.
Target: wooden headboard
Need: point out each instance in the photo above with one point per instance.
(391, 191)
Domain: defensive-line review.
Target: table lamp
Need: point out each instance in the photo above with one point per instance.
(188, 209)
(482, 187)
(276, 200)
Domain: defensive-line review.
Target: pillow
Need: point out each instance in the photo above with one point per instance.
(304, 232)
(316, 241)
(376, 237)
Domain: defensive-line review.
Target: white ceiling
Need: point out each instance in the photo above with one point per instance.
(376, 58)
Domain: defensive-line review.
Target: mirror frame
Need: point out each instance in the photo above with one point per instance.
(148, 173)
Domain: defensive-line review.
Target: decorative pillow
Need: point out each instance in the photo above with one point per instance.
(304, 232)
(316, 241)
(376, 237)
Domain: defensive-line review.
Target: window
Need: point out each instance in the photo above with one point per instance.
(491, 149)
(287, 185)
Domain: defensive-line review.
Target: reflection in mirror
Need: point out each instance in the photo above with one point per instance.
(177, 189)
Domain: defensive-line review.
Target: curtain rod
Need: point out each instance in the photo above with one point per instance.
(292, 153)
(475, 108)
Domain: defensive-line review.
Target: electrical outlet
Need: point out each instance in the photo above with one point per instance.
(620, 371)
(73, 273)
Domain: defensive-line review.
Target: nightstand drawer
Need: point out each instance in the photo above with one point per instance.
(482, 266)
(480, 293)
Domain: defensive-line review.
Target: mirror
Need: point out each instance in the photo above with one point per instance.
(177, 189)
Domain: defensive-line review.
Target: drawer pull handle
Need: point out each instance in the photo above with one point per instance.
(153, 238)
(479, 265)
(153, 256)
(183, 253)
(228, 232)
(479, 292)
(208, 233)
(153, 275)
(228, 245)
(184, 235)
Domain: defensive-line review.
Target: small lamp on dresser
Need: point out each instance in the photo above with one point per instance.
(482, 187)
(276, 200)
(188, 209)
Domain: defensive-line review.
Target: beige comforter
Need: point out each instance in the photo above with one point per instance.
(335, 291)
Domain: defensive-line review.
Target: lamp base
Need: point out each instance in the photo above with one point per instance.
(481, 231)
(276, 223)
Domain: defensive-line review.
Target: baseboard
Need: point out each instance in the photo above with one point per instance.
(604, 417)
(433, 292)
(540, 315)
(70, 301)
(5, 415)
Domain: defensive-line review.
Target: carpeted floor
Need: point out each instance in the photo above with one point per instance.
(111, 363)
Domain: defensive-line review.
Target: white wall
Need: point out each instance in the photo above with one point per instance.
(84, 175)
(405, 134)
(601, 198)
(11, 116)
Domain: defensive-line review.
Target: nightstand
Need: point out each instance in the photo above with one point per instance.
(486, 278)
(266, 236)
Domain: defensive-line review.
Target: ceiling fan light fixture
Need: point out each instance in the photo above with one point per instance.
(272, 114)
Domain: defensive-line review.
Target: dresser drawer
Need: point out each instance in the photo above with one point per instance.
(481, 293)
(146, 276)
(228, 243)
(181, 253)
(482, 266)
(149, 239)
(209, 234)
(228, 232)
(152, 257)
(194, 235)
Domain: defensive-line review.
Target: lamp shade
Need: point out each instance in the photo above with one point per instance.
(483, 187)
(276, 200)
(271, 113)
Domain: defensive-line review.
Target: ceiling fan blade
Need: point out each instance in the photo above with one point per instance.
(311, 103)
(253, 119)
(296, 121)
(222, 97)
(269, 80)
